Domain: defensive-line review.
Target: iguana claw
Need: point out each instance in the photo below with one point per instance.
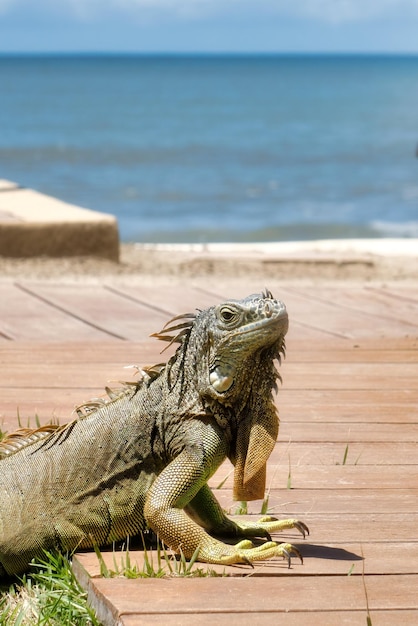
(302, 528)
(287, 553)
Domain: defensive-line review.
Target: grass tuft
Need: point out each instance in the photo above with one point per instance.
(50, 596)
(242, 508)
(289, 476)
(164, 565)
(345, 457)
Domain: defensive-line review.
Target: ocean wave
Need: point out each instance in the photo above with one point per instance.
(395, 229)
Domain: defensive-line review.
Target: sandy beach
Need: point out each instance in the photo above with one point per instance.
(354, 260)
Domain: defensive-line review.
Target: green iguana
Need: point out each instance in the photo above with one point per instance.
(141, 458)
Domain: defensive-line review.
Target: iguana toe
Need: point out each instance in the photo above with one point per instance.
(267, 550)
(268, 525)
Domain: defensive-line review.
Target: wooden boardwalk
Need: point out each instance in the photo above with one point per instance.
(346, 462)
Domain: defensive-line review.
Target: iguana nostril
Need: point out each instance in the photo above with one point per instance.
(268, 308)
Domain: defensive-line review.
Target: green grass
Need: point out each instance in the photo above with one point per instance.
(4, 433)
(48, 596)
(158, 564)
(345, 457)
(289, 476)
(242, 508)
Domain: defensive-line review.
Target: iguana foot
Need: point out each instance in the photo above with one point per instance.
(269, 550)
(267, 525)
(246, 552)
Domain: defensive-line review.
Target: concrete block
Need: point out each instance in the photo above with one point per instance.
(34, 224)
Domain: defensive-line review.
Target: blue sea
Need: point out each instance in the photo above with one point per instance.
(219, 148)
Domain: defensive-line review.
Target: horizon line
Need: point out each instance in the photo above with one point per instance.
(186, 53)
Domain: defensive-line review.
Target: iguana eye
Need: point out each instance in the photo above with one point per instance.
(227, 314)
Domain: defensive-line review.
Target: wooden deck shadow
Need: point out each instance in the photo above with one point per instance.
(311, 550)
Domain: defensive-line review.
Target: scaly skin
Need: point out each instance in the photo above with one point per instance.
(142, 458)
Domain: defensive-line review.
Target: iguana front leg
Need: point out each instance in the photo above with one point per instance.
(181, 487)
(173, 489)
(206, 511)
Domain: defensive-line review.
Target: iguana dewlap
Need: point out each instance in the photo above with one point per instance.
(142, 458)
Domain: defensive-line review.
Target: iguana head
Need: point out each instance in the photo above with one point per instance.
(242, 330)
(228, 353)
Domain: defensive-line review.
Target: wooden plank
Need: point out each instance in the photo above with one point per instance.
(24, 317)
(395, 296)
(293, 476)
(330, 453)
(306, 398)
(351, 355)
(99, 307)
(324, 311)
(383, 529)
(66, 375)
(296, 343)
(349, 433)
(345, 407)
(351, 375)
(249, 595)
(302, 502)
(245, 596)
(338, 375)
(171, 300)
(370, 302)
(85, 354)
(320, 618)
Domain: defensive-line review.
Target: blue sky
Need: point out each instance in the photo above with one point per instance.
(209, 25)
